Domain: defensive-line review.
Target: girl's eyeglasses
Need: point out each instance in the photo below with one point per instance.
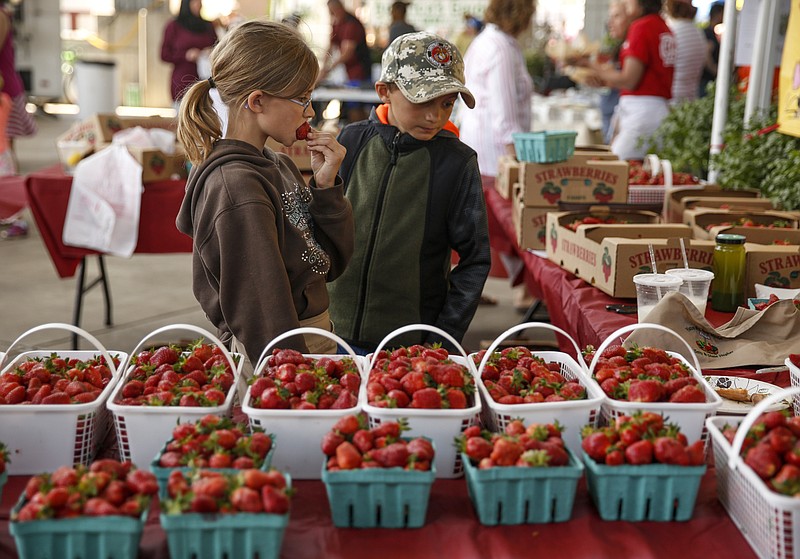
(303, 104)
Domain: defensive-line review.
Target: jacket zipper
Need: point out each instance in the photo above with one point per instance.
(372, 238)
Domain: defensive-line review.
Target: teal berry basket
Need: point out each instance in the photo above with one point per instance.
(523, 495)
(378, 497)
(211, 536)
(96, 537)
(658, 492)
(162, 474)
(547, 146)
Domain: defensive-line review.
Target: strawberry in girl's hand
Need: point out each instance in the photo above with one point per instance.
(302, 131)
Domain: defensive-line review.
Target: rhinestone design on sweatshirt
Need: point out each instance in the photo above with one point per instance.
(295, 207)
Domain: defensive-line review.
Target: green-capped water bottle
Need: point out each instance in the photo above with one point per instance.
(727, 291)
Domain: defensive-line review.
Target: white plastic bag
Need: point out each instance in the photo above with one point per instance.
(104, 204)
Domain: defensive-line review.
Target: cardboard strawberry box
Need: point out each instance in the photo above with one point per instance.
(773, 266)
(676, 200)
(298, 152)
(99, 128)
(507, 176)
(159, 166)
(704, 221)
(529, 222)
(609, 255)
(596, 177)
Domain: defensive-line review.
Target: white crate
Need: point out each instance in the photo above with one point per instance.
(690, 417)
(300, 431)
(441, 426)
(794, 376)
(573, 415)
(143, 430)
(42, 438)
(768, 520)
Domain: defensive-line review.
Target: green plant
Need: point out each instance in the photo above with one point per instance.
(760, 157)
(684, 136)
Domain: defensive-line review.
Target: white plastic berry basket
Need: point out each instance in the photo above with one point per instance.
(300, 431)
(689, 416)
(439, 425)
(794, 376)
(768, 520)
(143, 430)
(572, 414)
(43, 437)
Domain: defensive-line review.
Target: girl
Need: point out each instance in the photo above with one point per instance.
(265, 243)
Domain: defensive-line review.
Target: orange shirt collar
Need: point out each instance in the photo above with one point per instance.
(383, 115)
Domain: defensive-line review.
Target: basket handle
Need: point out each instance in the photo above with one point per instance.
(631, 328)
(429, 328)
(652, 164)
(63, 326)
(527, 326)
(196, 330)
(262, 359)
(666, 169)
(751, 417)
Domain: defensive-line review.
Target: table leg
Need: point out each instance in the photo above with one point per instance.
(82, 288)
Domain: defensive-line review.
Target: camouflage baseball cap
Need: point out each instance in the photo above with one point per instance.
(425, 66)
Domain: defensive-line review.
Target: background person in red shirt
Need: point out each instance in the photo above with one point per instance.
(348, 46)
(647, 61)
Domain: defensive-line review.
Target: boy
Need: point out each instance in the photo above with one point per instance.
(416, 194)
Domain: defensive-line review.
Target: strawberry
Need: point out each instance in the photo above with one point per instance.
(421, 448)
(668, 450)
(348, 425)
(640, 452)
(274, 500)
(764, 461)
(142, 482)
(391, 456)
(245, 499)
(690, 393)
(506, 452)
(787, 480)
(363, 440)
(645, 390)
(177, 484)
(348, 456)
(427, 398)
(478, 448)
(213, 486)
(164, 355)
(456, 399)
(330, 441)
(99, 507)
(596, 445)
(302, 131)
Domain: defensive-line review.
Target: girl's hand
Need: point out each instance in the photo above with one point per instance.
(326, 157)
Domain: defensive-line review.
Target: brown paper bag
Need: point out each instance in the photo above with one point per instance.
(750, 338)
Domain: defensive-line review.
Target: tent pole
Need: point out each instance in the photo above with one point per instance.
(723, 81)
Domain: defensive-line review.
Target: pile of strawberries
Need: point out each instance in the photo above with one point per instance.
(750, 222)
(593, 220)
(215, 442)
(293, 381)
(349, 445)
(419, 377)
(637, 175)
(106, 488)
(515, 376)
(167, 376)
(209, 491)
(536, 445)
(638, 439)
(772, 449)
(55, 380)
(644, 374)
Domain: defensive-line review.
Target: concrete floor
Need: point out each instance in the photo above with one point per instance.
(147, 291)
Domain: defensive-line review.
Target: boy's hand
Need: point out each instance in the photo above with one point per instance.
(326, 157)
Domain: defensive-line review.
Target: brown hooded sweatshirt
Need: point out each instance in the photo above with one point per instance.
(265, 244)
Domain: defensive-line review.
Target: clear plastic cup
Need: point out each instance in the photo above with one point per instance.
(71, 152)
(696, 284)
(650, 288)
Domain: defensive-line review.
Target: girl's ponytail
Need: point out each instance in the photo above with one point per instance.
(198, 123)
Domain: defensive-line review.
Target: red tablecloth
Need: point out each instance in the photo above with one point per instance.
(452, 530)
(48, 194)
(574, 305)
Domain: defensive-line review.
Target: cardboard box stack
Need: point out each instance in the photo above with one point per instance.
(99, 129)
(589, 176)
(608, 255)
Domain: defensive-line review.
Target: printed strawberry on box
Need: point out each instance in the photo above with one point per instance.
(607, 248)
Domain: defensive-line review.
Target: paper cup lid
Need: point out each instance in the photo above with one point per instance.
(691, 274)
(661, 280)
